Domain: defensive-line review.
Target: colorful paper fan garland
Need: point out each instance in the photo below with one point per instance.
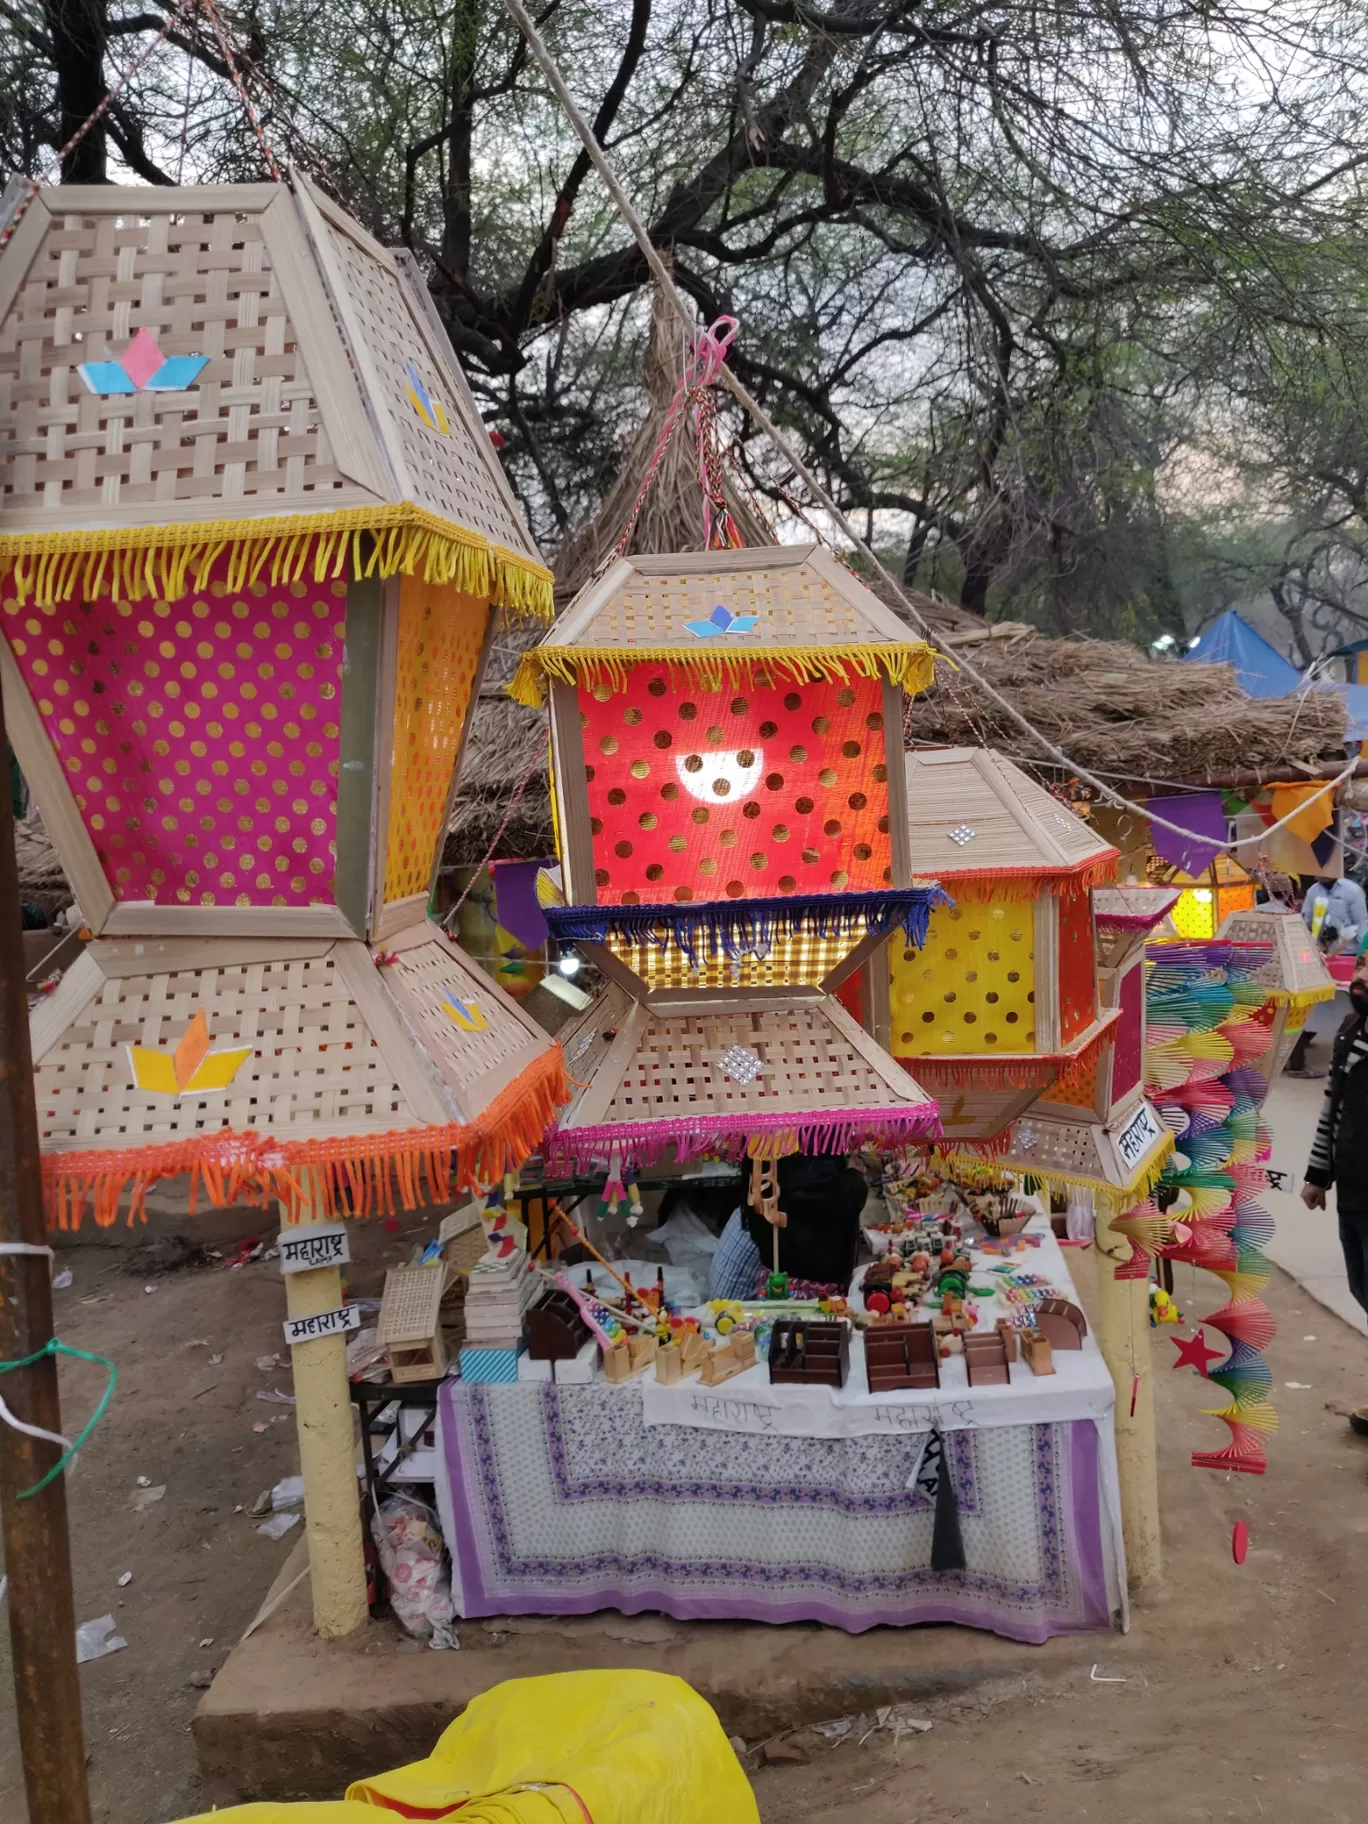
(1209, 989)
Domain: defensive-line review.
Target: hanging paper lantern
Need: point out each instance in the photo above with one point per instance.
(1208, 899)
(726, 732)
(252, 542)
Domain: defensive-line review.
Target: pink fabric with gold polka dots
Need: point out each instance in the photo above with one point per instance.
(200, 737)
(734, 793)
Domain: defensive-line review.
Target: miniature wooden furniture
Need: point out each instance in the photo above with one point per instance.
(1036, 1352)
(1063, 1325)
(555, 1328)
(985, 1359)
(676, 1361)
(624, 1361)
(809, 1354)
(729, 1358)
(410, 1327)
(901, 1355)
(1007, 1331)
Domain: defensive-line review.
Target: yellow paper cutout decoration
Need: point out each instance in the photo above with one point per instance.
(192, 1069)
(465, 1014)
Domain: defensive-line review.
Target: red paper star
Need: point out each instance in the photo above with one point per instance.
(1195, 1352)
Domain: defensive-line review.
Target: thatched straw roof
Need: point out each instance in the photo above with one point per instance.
(41, 880)
(1118, 712)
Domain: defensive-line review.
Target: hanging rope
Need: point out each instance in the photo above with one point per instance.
(661, 272)
(69, 1448)
(110, 96)
(498, 834)
(706, 360)
(224, 45)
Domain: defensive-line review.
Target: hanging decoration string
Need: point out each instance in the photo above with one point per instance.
(68, 1448)
(598, 158)
(106, 102)
(707, 359)
(498, 834)
(215, 19)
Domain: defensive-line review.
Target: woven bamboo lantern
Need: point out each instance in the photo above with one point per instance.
(1001, 1001)
(1208, 899)
(732, 1074)
(1295, 976)
(726, 733)
(252, 541)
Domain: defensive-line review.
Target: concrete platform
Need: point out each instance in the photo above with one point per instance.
(292, 1717)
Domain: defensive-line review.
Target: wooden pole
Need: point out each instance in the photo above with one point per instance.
(327, 1458)
(1123, 1335)
(42, 1612)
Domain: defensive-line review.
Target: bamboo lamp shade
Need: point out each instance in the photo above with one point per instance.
(1000, 1003)
(1295, 975)
(726, 727)
(1208, 899)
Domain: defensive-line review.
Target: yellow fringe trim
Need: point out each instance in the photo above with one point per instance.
(908, 664)
(1111, 1199)
(1302, 998)
(134, 563)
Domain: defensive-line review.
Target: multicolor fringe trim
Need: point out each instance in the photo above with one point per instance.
(1025, 1070)
(974, 886)
(133, 563)
(1106, 1196)
(738, 927)
(908, 663)
(743, 1135)
(346, 1175)
(1204, 1003)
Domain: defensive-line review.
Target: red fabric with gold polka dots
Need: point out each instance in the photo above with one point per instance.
(199, 738)
(750, 793)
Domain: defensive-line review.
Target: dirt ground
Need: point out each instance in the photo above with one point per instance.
(1238, 1692)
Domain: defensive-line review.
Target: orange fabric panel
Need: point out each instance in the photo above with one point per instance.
(1077, 966)
(441, 637)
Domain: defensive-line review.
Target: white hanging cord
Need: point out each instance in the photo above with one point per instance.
(32, 1431)
(547, 64)
(25, 1247)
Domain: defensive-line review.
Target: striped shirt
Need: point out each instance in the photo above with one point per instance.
(1351, 1049)
(736, 1266)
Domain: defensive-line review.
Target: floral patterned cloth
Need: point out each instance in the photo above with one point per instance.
(560, 1500)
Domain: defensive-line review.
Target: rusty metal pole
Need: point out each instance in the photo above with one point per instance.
(47, 1690)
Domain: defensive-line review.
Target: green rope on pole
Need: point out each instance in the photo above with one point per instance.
(54, 1347)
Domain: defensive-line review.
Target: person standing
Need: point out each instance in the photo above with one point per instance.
(1339, 1152)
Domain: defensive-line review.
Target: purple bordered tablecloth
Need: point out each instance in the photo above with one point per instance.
(563, 1500)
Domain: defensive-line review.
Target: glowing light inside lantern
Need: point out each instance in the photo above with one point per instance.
(722, 775)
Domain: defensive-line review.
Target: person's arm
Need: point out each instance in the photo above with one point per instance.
(1320, 1167)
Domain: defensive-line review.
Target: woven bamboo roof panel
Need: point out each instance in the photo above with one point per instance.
(240, 1062)
(1296, 969)
(724, 1076)
(1123, 916)
(973, 812)
(477, 1036)
(1118, 1163)
(724, 612)
(183, 366)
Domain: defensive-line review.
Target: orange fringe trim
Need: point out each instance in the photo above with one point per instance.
(350, 1175)
(977, 885)
(1026, 1070)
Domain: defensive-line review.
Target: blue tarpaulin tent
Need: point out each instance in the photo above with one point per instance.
(1264, 672)
(1261, 668)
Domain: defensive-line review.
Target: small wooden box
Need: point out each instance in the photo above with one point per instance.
(410, 1327)
(901, 1355)
(729, 1358)
(809, 1354)
(985, 1359)
(555, 1329)
(1036, 1352)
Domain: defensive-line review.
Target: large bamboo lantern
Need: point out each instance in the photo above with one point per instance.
(252, 541)
(1295, 976)
(726, 734)
(1001, 1002)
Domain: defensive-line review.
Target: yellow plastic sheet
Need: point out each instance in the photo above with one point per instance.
(569, 1748)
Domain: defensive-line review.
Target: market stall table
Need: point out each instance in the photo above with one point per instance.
(751, 1502)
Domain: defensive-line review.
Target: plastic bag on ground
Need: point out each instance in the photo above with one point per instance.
(409, 1541)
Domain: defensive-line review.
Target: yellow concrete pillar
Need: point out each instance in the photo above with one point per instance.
(1123, 1335)
(327, 1458)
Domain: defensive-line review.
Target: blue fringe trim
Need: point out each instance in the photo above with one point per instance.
(737, 927)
